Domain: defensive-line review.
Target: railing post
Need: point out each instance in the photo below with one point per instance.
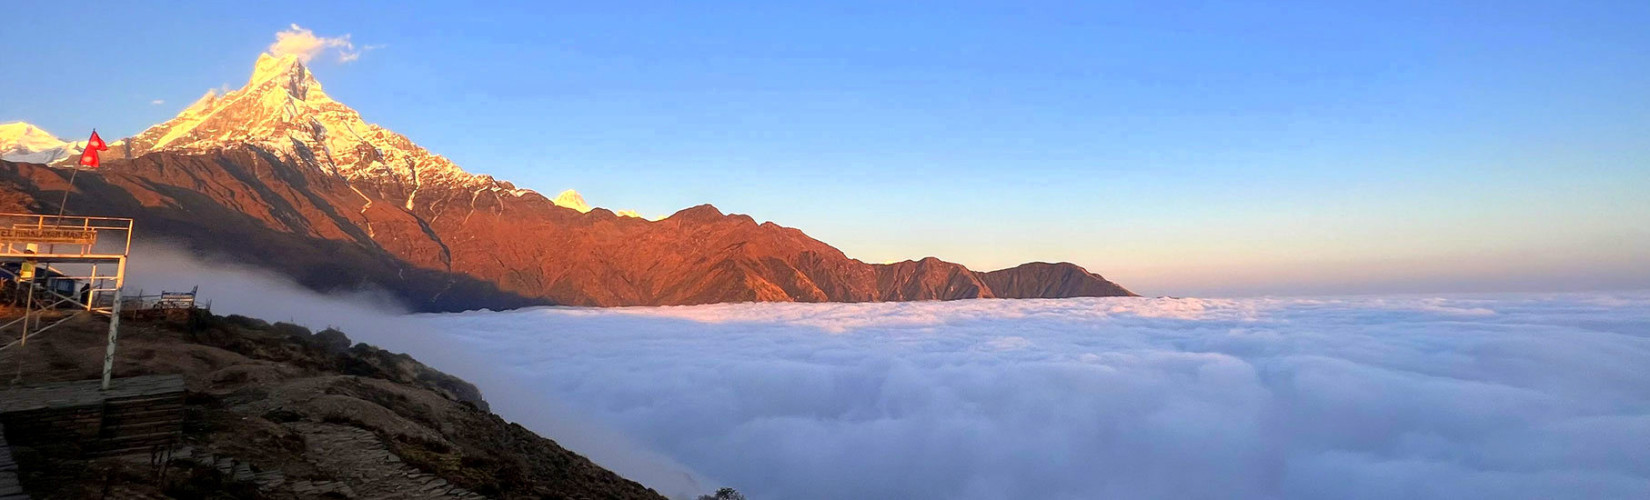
(114, 334)
(91, 288)
(114, 331)
(28, 309)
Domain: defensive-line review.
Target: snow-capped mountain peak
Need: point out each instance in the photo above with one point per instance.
(24, 135)
(571, 199)
(286, 67)
(283, 110)
(24, 142)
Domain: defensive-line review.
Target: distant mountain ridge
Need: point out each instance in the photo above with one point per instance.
(280, 175)
(27, 143)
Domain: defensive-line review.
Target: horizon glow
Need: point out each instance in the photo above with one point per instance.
(1219, 149)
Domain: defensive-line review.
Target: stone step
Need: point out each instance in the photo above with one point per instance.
(242, 472)
(9, 485)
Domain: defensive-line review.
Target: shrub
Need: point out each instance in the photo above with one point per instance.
(724, 494)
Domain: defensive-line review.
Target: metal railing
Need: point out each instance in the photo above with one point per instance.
(64, 235)
(52, 260)
(131, 304)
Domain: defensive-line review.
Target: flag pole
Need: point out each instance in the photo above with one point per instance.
(64, 205)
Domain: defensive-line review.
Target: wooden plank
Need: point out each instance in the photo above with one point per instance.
(87, 393)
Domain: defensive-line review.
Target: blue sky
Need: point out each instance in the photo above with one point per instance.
(1202, 148)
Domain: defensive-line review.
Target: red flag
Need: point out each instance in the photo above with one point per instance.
(96, 142)
(88, 157)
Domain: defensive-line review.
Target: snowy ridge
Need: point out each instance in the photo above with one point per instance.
(24, 142)
(283, 109)
(572, 199)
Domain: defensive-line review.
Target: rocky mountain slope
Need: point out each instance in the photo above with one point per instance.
(275, 411)
(280, 175)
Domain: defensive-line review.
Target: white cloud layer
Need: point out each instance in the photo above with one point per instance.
(302, 42)
(1376, 397)
(1396, 397)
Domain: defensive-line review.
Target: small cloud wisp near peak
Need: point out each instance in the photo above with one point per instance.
(303, 43)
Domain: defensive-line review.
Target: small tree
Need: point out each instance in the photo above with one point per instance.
(724, 494)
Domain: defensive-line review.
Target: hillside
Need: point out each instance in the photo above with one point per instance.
(274, 411)
(280, 175)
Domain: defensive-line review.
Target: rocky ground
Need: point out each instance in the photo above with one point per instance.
(276, 411)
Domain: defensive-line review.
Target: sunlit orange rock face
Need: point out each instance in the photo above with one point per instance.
(468, 250)
(279, 175)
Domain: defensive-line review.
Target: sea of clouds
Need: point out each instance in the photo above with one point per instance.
(1511, 396)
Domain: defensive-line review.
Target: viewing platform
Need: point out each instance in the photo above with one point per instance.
(73, 260)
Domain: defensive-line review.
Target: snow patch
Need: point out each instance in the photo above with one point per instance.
(24, 142)
(571, 199)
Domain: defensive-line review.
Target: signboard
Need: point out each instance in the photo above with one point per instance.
(176, 300)
(50, 235)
